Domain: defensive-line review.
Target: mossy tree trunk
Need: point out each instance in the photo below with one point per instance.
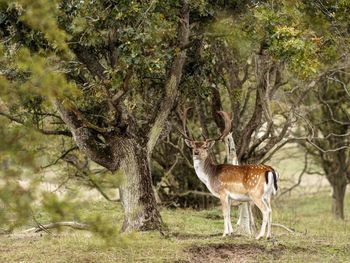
(140, 207)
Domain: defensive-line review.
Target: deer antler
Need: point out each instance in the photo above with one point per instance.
(225, 116)
(183, 117)
(228, 125)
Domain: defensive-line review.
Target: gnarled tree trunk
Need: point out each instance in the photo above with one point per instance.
(136, 190)
(124, 145)
(335, 167)
(338, 182)
(338, 195)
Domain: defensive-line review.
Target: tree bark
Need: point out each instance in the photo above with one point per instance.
(175, 74)
(136, 191)
(338, 195)
(246, 226)
(335, 167)
(120, 153)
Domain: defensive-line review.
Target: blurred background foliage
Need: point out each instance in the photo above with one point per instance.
(303, 41)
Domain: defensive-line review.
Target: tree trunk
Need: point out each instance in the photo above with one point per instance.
(335, 167)
(136, 191)
(338, 196)
(246, 226)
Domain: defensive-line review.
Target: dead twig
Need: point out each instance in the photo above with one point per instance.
(72, 224)
(60, 157)
(284, 227)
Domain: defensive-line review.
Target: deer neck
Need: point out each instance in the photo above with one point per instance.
(205, 170)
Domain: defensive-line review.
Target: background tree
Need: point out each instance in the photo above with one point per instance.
(327, 126)
(245, 63)
(326, 116)
(102, 73)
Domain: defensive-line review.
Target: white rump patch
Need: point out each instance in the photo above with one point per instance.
(269, 187)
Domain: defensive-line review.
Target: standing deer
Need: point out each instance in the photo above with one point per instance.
(239, 183)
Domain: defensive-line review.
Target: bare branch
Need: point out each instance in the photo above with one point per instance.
(299, 178)
(71, 224)
(43, 131)
(60, 157)
(175, 146)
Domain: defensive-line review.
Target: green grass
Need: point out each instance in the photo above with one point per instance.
(193, 236)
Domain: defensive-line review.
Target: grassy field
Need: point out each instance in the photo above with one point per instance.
(192, 236)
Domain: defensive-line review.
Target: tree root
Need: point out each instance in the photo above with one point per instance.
(72, 224)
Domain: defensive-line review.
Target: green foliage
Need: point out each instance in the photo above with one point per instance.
(45, 78)
(16, 159)
(232, 30)
(288, 38)
(58, 208)
(42, 15)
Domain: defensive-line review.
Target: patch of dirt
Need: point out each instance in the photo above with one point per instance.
(237, 253)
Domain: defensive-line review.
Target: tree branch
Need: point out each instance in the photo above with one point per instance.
(299, 178)
(175, 74)
(89, 59)
(60, 157)
(86, 140)
(43, 131)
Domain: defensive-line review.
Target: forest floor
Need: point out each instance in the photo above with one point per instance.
(192, 236)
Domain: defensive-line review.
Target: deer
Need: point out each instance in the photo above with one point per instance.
(253, 183)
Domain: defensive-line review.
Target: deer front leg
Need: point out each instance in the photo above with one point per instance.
(226, 213)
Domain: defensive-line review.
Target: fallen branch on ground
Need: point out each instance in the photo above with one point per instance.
(284, 227)
(72, 224)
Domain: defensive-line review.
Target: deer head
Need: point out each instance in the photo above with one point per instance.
(200, 149)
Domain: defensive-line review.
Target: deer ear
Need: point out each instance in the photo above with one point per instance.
(188, 142)
(210, 144)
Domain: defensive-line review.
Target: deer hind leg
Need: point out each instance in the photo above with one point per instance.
(265, 211)
(226, 210)
(267, 202)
